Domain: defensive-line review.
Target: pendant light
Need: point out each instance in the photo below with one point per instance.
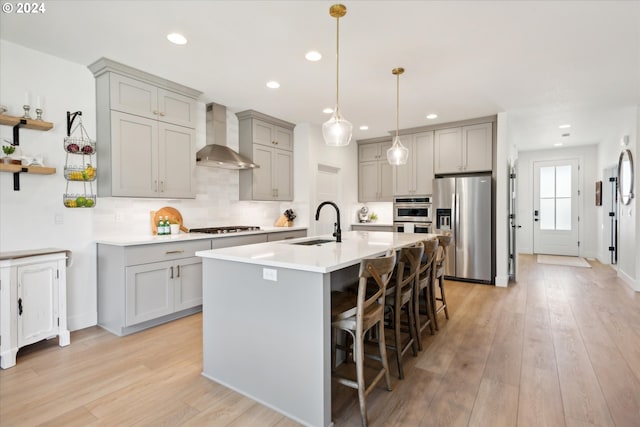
(398, 154)
(337, 130)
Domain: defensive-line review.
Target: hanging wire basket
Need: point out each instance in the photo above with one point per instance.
(80, 143)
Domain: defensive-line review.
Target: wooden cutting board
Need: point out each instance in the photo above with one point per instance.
(174, 217)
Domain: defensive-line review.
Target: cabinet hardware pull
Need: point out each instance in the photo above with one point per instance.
(19, 306)
(162, 186)
(162, 114)
(179, 251)
(171, 276)
(178, 273)
(155, 185)
(155, 112)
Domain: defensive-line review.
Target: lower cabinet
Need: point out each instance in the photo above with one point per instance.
(33, 303)
(141, 286)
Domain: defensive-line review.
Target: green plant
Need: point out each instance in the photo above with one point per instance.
(373, 216)
(8, 149)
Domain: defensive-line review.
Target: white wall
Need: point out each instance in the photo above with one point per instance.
(502, 201)
(27, 216)
(587, 177)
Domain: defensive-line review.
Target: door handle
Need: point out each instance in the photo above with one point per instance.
(535, 215)
(19, 306)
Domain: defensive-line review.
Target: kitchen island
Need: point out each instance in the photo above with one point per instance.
(266, 316)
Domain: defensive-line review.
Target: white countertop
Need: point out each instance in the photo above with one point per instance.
(373, 224)
(145, 239)
(323, 258)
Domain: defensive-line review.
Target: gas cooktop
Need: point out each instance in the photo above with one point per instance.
(223, 230)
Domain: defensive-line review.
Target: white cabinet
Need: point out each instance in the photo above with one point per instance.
(141, 286)
(145, 129)
(375, 174)
(33, 301)
(464, 149)
(416, 176)
(268, 141)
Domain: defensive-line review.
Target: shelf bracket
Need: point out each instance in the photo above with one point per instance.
(70, 119)
(16, 131)
(16, 181)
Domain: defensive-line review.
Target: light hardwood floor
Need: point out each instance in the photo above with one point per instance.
(559, 348)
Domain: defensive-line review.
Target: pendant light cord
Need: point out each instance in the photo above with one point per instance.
(337, 64)
(397, 103)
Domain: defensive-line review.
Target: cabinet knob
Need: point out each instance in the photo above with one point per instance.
(162, 114)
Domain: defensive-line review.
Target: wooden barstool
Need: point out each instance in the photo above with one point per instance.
(356, 315)
(444, 241)
(400, 297)
(424, 289)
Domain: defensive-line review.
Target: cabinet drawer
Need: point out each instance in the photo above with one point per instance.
(142, 254)
(226, 242)
(286, 235)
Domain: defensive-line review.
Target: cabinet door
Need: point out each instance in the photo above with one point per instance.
(478, 142)
(133, 96)
(149, 292)
(38, 298)
(368, 181)
(282, 175)
(176, 109)
(385, 181)
(187, 283)
(448, 150)
(176, 161)
(284, 138)
(368, 152)
(134, 156)
(263, 188)
(404, 177)
(423, 146)
(263, 133)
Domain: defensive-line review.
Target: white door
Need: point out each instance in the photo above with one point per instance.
(555, 204)
(327, 189)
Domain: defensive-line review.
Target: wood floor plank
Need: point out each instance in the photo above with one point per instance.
(496, 404)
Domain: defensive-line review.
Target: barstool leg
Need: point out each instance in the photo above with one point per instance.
(416, 311)
(412, 329)
(432, 293)
(382, 346)
(444, 299)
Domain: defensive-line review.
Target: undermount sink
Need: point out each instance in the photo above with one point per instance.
(313, 242)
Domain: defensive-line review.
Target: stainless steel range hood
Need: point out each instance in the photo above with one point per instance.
(216, 153)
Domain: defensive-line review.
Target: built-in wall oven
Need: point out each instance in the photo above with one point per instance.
(412, 214)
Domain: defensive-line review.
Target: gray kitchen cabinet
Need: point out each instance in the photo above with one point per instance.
(248, 239)
(268, 141)
(371, 227)
(145, 133)
(416, 176)
(464, 149)
(141, 286)
(375, 174)
(33, 300)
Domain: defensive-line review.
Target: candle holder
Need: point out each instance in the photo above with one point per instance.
(39, 114)
(26, 111)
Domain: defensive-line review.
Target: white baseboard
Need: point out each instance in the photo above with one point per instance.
(502, 281)
(629, 280)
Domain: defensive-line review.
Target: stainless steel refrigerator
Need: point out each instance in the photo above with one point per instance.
(463, 205)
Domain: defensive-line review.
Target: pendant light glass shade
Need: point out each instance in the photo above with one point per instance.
(337, 130)
(398, 154)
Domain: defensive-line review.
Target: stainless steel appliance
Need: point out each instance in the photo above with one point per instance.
(412, 214)
(463, 206)
(224, 230)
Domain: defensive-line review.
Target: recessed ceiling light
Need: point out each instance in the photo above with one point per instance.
(273, 84)
(432, 116)
(557, 144)
(328, 110)
(564, 126)
(364, 127)
(177, 38)
(313, 55)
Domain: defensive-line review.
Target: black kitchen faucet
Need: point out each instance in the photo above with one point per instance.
(337, 232)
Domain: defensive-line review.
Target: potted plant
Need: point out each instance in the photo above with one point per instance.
(373, 217)
(8, 150)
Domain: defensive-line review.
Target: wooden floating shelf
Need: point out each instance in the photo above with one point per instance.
(38, 170)
(31, 124)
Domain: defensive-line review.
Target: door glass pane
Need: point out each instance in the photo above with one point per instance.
(563, 181)
(563, 213)
(547, 214)
(547, 181)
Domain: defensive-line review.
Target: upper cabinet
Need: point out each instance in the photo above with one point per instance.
(464, 149)
(267, 141)
(415, 177)
(146, 133)
(375, 174)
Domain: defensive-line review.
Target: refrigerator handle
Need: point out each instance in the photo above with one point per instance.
(456, 212)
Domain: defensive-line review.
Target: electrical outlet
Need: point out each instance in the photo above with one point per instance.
(58, 218)
(118, 217)
(270, 274)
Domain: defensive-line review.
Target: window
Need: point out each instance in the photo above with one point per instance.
(555, 197)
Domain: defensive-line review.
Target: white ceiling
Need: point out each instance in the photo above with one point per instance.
(544, 62)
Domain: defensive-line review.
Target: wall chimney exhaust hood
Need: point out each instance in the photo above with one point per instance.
(216, 153)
